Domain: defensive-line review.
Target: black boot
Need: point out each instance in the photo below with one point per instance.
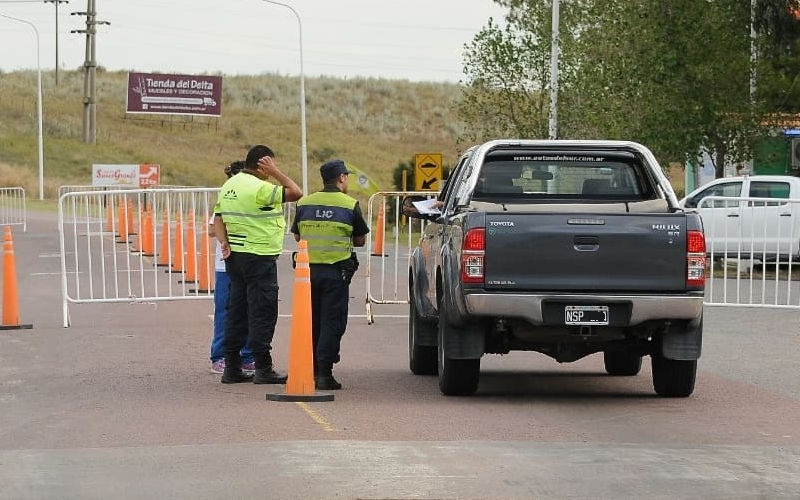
(233, 374)
(323, 378)
(268, 376)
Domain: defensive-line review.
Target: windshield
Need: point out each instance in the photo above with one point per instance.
(561, 177)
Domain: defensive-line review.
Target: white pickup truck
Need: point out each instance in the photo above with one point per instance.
(754, 217)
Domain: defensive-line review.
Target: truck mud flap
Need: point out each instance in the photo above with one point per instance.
(462, 342)
(683, 343)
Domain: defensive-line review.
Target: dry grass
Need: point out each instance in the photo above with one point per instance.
(371, 123)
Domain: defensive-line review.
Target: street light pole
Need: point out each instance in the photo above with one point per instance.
(56, 2)
(303, 147)
(38, 103)
(553, 125)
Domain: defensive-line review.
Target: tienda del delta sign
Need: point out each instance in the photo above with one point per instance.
(174, 94)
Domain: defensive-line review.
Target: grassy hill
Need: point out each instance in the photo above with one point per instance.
(371, 123)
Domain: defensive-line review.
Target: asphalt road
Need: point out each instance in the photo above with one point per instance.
(122, 404)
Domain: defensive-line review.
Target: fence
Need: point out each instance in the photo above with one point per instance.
(288, 208)
(13, 208)
(135, 245)
(387, 280)
(753, 246)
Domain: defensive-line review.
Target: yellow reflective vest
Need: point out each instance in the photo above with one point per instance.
(325, 219)
(252, 211)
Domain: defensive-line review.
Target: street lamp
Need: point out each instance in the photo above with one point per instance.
(56, 2)
(554, 52)
(302, 98)
(38, 102)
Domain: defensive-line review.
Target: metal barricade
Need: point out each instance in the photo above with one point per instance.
(134, 246)
(83, 188)
(388, 284)
(753, 246)
(13, 210)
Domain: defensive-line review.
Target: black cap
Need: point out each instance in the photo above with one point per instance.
(332, 169)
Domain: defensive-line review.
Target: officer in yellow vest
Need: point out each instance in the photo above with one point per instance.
(332, 223)
(250, 226)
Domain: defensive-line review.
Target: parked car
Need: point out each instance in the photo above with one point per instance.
(567, 248)
(750, 216)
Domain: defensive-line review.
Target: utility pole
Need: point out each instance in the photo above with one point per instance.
(90, 66)
(56, 2)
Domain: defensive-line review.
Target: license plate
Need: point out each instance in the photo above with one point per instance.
(586, 315)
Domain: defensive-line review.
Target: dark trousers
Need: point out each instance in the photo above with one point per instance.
(329, 299)
(252, 307)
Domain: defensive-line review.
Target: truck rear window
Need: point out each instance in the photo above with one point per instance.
(545, 176)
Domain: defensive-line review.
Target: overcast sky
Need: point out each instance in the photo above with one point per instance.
(418, 40)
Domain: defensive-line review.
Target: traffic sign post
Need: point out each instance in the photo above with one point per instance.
(427, 171)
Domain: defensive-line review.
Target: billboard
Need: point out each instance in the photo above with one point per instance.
(126, 175)
(174, 94)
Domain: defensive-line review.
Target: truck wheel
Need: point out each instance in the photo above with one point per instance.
(673, 378)
(421, 358)
(457, 377)
(621, 363)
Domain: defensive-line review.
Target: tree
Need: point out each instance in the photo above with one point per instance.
(672, 74)
(507, 70)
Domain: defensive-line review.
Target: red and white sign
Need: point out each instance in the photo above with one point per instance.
(126, 175)
(174, 94)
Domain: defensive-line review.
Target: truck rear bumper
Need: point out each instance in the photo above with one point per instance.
(529, 306)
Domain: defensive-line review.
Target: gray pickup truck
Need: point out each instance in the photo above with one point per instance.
(567, 248)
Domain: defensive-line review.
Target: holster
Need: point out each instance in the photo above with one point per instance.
(349, 267)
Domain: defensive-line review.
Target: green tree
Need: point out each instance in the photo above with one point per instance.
(672, 74)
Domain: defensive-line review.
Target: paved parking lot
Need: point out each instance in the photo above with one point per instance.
(122, 404)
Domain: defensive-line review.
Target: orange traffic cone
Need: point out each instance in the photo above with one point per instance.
(377, 248)
(300, 384)
(191, 252)
(131, 226)
(10, 296)
(122, 221)
(205, 271)
(163, 251)
(147, 234)
(177, 247)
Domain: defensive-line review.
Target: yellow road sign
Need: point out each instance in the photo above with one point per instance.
(427, 171)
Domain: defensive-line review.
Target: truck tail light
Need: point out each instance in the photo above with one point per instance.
(473, 251)
(695, 259)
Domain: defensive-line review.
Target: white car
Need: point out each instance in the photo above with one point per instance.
(750, 217)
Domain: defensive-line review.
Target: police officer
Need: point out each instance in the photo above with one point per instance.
(249, 224)
(332, 223)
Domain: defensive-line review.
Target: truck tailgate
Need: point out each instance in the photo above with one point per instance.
(623, 252)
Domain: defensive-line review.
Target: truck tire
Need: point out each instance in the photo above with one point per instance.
(673, 378)
(622, 363)
(421, 358)
(457, 377)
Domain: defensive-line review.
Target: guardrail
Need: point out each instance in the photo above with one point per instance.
(384, 216)
(753, 246)
(13, 209)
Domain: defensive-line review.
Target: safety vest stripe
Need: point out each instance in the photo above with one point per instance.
(325, 213)
(327, 237)
(274, 194)
(320, 248)
(253, 216)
